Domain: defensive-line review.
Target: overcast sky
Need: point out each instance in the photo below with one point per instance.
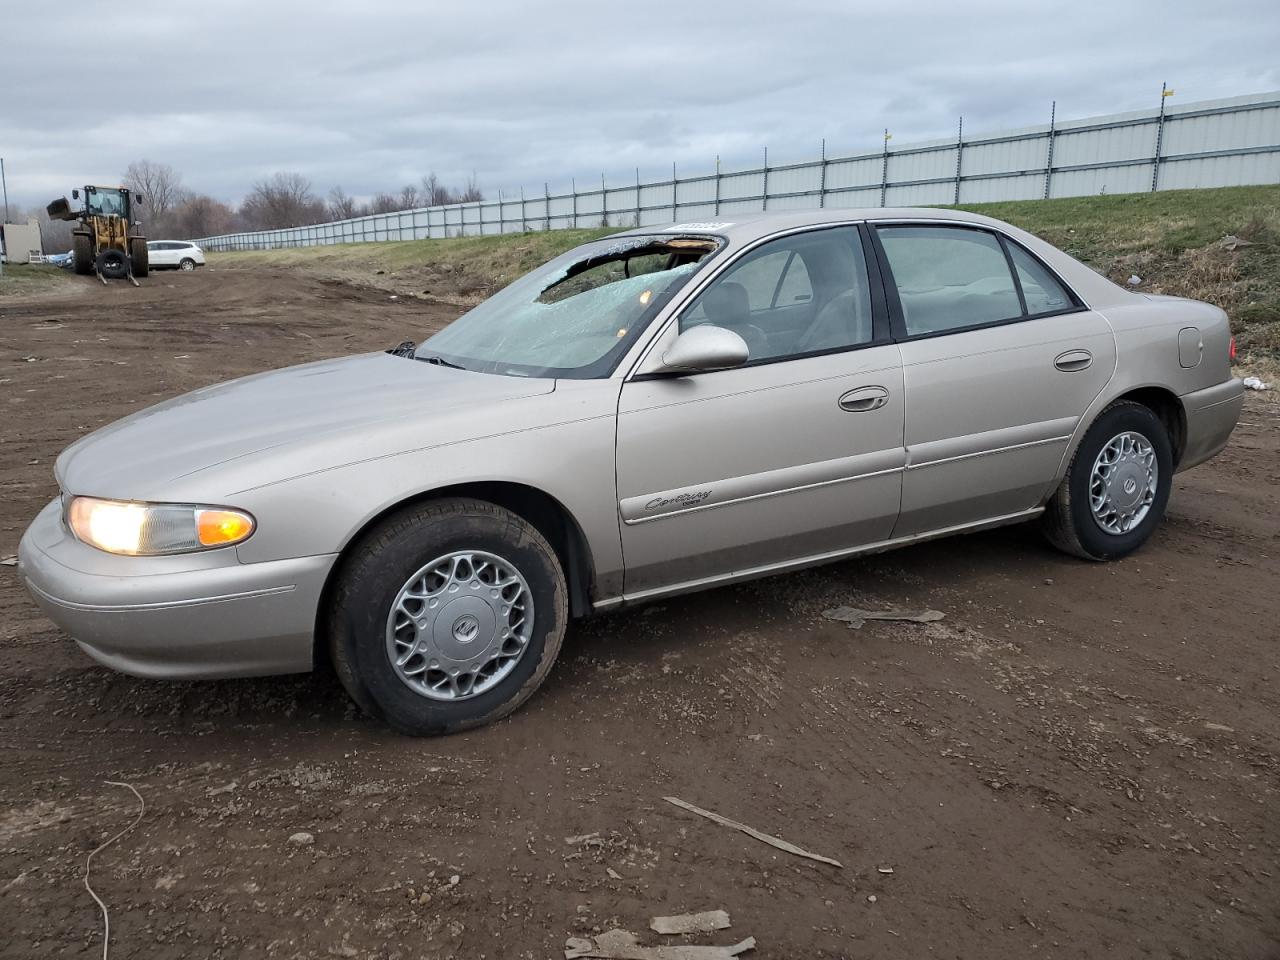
(370, 95)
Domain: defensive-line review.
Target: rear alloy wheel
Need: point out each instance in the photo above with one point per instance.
(187, 264)
(1117, 487)
(447, 616)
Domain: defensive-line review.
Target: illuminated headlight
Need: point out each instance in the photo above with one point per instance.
(152, 529)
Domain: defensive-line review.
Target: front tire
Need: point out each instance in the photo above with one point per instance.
(447, 616)
(1117, 487)
(139, 256)
(82, 253)
(187, 264)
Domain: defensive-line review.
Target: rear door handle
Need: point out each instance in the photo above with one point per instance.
(863, 399)
(1073, 360)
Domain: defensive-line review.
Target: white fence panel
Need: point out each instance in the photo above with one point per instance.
(1205, 144)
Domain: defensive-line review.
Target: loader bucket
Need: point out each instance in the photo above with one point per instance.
(62, 210)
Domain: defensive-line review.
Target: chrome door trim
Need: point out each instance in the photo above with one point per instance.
(751, 573)
(663, 504)
(987, 453)
(951, 449)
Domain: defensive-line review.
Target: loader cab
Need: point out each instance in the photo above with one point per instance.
(107, 202)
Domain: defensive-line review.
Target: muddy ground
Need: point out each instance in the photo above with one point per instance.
(1078, 761)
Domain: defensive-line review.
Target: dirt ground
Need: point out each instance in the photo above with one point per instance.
(1078, 761)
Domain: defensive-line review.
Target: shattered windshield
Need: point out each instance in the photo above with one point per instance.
(577, 315)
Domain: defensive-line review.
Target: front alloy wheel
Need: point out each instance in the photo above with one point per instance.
(459, 626)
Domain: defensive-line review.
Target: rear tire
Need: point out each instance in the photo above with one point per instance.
(402, 634)
(1093, 514)
(82, 253)
(113, 264)
(139, 256)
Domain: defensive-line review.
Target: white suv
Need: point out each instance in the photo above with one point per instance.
(178, 254)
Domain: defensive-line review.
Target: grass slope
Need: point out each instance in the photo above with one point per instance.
(21, 279)
(1173, 241)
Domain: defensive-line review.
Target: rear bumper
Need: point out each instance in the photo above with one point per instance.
(185, 617)
(1212, 414)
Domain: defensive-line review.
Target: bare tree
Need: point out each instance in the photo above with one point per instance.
(471, 193)
(281, 200)
(435, 193)
(55, 235)
(384, 203)
(161, 188)
(201, 216)
(409, 197)
(341, 206)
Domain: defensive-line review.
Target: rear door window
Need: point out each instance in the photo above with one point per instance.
(1043, 292)
(949, 278)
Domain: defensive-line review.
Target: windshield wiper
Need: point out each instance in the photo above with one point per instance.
(441, 362)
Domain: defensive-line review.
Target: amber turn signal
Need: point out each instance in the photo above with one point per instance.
(219, 528)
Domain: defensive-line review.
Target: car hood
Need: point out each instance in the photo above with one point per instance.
(133, 457)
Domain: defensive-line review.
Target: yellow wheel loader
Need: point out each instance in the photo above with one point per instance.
(108, 240)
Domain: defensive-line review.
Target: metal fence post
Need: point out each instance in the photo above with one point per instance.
(959, 152)
(604, 202)
(524, 224)
(674, 214)
(573, 186)
(637, 223)
(1165, 92)
(884, 168)
(822, 177)
(717, 184)
(546, 195)
(764, 198)
(1048, 162)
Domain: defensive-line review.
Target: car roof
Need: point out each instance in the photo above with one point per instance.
(744, 227)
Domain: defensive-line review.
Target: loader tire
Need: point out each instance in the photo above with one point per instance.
(113, 264)
(138, 254)
(82, 253)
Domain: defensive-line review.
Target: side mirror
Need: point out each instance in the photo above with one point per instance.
(75, 194)
(705, 347)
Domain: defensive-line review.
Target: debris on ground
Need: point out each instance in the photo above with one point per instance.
(855, 618)
(1134, 280)
(1231, 242)
(9, 562)
(752, 832)
(302, 839)
(1255, 383)
(705, 922)
(624, 945)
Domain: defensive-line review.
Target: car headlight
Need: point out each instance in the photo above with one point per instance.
(153, 529)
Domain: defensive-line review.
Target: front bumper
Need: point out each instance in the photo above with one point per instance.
(1212, 414)
(202, 615)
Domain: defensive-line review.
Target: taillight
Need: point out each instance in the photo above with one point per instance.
(1231, 350)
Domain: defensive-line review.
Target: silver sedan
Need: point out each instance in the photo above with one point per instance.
(661, 411)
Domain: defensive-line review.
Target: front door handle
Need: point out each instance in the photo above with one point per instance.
(1073, 360)
(864, 399)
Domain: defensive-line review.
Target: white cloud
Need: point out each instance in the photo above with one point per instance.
(373, 95)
